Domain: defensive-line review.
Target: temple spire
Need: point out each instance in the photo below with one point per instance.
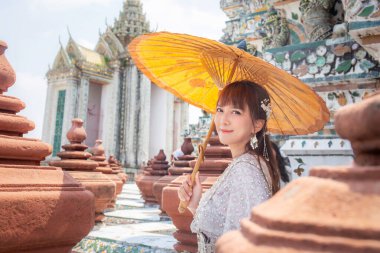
(131, 22)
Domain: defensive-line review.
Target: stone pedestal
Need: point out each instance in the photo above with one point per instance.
(75, 160)
(217, 158)
(151, 174)
(43, 208)
(115, 165)
(178, 168)
(99, 157)
(337, 209)
(119, 188)
(187, 241)
(107, 170)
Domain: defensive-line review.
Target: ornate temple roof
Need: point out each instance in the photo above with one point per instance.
(91, 56)
(76, 58)
(110, 48)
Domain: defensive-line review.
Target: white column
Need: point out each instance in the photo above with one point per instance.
(83, 98)
(129, 151)
(48, 114)
(109, 106)
(184, 118)
(169, 146)
(143, 142)
(158, 120)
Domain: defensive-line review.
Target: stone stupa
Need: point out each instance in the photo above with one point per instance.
(44, 209)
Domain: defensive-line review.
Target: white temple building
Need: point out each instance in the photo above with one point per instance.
(118, 104)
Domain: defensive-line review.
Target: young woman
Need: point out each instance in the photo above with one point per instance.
(251, 178)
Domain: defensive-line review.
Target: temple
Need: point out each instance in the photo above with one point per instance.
(117, 103)
(329, 45)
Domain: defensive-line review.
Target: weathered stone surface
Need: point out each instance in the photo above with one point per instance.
(170, 201)
(117, 169)
(75, 160)
(178, 168)
(20, 150)
(359, 124)
(157, 168)
(43, 209)
(7, 74)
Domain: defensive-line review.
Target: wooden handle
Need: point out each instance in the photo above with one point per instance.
(183, 204)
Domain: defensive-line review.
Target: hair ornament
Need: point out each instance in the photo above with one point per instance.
(266, 106)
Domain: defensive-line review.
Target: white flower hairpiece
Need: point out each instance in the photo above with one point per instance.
(266, 106)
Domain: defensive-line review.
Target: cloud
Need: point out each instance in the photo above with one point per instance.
(192, 17)
(63, 5)
(31, 89)
(85, 43)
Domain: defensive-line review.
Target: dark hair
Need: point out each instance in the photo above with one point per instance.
(248, 93)
(281, 162)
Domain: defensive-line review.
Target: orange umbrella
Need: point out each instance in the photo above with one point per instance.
(195, 69)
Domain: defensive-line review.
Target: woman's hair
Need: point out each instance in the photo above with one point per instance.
(248, 93)
(281, 162)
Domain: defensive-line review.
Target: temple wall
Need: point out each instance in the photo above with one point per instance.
(169, 122)
(158, 120)
(93, 113)
(145, 119)
(109, 120)
(69, 86)
(129, 145)
(83, 98)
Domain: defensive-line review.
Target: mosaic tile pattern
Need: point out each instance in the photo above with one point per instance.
(59, 121)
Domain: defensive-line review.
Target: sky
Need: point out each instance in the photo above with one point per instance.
(33, 28)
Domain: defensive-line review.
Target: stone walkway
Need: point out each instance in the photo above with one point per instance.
(132, 227)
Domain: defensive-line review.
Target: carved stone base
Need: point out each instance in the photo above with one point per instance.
(145, 184)
(170, 201)
(101, 186)
(335, 210)
(43, 209)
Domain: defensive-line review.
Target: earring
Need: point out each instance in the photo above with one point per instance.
(253, 142)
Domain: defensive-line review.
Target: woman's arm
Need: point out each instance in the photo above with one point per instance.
(191, 193)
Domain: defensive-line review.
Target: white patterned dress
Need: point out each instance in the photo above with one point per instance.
(242, 186)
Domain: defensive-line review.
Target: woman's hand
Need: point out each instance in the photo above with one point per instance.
(191, 193)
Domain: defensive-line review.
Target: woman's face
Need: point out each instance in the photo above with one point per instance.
(234, 126)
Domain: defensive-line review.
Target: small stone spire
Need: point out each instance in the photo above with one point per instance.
(7, 74)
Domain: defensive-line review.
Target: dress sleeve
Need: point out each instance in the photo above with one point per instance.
(248, 188)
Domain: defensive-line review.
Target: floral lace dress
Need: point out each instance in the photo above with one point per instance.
(242, 186)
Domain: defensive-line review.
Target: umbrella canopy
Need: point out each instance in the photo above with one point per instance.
(195, 69)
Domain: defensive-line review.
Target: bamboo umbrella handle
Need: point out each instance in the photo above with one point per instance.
(183, 204)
